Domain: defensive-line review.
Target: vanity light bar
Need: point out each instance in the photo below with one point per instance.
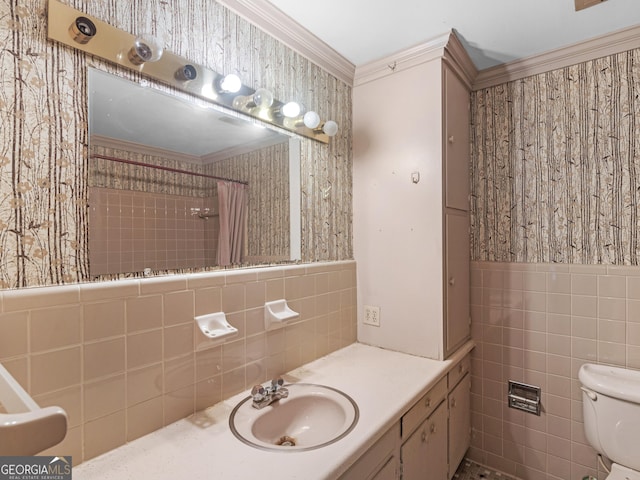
(80, 31)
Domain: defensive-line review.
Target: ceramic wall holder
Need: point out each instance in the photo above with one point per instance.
(214, 330)
(277, 314)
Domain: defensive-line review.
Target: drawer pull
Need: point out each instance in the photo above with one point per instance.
(460, 367)
(423, 437)
(452, 281)
(451, 139)
(433, 428)
(427, 402)
(453, 403)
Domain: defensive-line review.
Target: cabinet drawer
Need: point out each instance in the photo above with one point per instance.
(423, 407)
(459, 371)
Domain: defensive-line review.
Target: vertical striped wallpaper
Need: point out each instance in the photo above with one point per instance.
(44, 138)
(121, 176)
(267, 172)
(555, 170)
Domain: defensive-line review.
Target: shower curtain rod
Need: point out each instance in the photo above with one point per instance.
(168, 169)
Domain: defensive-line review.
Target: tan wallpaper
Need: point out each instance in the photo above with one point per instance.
(556, 166)
(267, 172)
(43, 108)
(122, 176)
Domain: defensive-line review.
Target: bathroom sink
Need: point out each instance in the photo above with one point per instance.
(311, 417)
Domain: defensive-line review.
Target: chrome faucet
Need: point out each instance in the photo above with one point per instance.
(264, 396)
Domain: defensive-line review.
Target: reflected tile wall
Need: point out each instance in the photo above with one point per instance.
(538, 323)
(131, 231)
(120, 357)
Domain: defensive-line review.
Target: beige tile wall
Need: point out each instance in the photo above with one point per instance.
(538, 323)
(119, 357)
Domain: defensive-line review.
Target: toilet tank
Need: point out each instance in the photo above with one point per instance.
(611, 407)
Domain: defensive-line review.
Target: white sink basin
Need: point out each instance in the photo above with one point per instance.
(312, 416)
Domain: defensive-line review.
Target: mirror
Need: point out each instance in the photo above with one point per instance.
(155, 163)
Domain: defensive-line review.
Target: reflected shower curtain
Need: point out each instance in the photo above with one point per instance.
(232, 202)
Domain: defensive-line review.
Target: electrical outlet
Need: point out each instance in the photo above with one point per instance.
(371, 316)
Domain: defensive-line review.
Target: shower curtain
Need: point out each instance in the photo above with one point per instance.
(232, 202)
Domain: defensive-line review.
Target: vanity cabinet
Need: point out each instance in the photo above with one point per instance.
(459, 422)
(443, 436)
(426, 449)
(411, 131)
(459, 402)
(380, 462)
(424, 436)
(431, 438)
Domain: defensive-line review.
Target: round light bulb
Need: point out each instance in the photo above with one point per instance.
(263, 98)
(231, 83)
(82, 30)
(311, 120)
(291, 109)
(330, 128)
(186, 73)
(146, 48)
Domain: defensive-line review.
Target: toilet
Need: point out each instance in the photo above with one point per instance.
(611, 408)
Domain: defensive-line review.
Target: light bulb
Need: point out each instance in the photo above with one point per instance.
(291, 109)
(230, 84)
(146, 48)
(186, 73)
(311, 120)
(241, 102)
(82, 30)
(330, 128)
(263, 98)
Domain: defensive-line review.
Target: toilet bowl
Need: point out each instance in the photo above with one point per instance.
(611, 410)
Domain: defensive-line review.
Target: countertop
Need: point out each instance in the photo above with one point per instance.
(383, 383)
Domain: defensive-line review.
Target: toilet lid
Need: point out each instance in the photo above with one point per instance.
(611, 381)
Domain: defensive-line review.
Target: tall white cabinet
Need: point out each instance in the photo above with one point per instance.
(411, 187)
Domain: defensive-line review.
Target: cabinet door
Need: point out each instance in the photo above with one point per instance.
(388, 472)
(459, 423)
(424, 454)
(456, 143)
(457, 328)
(380, 462)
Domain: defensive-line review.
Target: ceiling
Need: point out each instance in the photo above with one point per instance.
(493, 31)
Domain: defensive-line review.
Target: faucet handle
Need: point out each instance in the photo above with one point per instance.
(258, 393)
(276, 383)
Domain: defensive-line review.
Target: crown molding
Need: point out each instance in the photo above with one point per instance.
(609, 44)
(457, 57)
(446, 46)
(400, 61)
(277, 24)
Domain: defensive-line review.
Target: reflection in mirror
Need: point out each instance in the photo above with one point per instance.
(178, 184)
